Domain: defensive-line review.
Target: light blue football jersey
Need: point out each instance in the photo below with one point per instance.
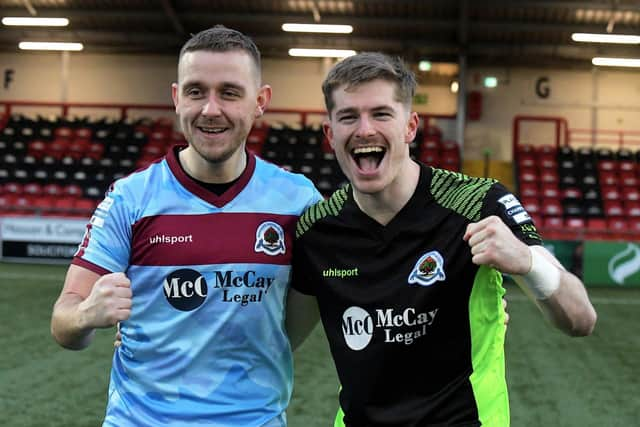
(205, 344)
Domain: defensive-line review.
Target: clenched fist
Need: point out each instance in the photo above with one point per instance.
(493, 243)
(108, 303)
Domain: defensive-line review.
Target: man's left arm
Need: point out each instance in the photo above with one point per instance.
(302, 316)
(559, 294)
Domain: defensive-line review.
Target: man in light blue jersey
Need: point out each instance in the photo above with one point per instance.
(192, 257)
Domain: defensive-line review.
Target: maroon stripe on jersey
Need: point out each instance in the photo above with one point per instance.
(90, 266)
(207, 239)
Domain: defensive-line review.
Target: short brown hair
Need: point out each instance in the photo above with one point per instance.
(368, 66)
(223, 39)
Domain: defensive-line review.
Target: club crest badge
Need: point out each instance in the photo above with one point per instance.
(428, 270)
(270, 238)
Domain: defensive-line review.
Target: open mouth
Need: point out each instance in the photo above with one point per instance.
(368, 158)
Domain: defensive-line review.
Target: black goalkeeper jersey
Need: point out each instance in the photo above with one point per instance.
(416, 329)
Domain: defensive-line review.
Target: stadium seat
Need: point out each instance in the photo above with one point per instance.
(571, 193)
(52, 189)
(632, 208)
(604, 154)
(84, 207)
(618, 228)
(624, 154)
(627, 166)
(13, 188)
(568, 180)
(630, 193)
(610, 192)
(527, 160)
(593, 209)
(573, 208)
(607, 166)
(430, 142)
(531, 205)
(549, 176)
(33, 189)
(574, 227)
(529, 189)
(430, 157)
(95, 150)
(566, 153)
(551, 207)
(633, 225)
(585, 154)
(597, 229)
(629, 179)
(552, 223)
(589, 179)
(548, 162)
(549, 190)
(528, 175)
(613, 208)
(450, 160)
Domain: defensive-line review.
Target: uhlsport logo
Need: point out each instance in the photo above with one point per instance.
(185, 289)
(403, 326)
(428, 270)
(270, 238)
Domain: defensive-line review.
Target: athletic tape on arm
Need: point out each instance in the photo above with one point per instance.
(543, 278)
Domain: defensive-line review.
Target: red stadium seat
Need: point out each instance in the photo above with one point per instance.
(629, 179)
(632, 208)
(531, 205)
(548, 162)
(550, 190)
(430, 142)
(607, 165)
(64, 206)
(574, 227)
(84, 207)
(52, 189)
(527, 160)
(613, 208)
(634, 228)
(549, 176)
(450, 160)
(551, 207)
(528, 175)
(430, 157)
(630, 193)
(529, 189)
(608, 178)
(627, 166)
(610, 192)
(32, 188)
(618, 228)
(571, 193)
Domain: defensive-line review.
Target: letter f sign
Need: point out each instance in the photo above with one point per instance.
(8, 77)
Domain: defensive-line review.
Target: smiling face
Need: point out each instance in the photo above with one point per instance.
(217, 98)
(370, 131)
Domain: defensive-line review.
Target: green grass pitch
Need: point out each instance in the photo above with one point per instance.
(553, 380)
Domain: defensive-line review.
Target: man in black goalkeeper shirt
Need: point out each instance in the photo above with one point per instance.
(405, 264)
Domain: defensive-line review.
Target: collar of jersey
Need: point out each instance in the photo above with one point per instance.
(188, 183)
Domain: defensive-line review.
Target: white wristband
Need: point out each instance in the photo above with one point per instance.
(543, 278)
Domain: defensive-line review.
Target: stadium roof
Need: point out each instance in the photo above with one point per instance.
(491, 32)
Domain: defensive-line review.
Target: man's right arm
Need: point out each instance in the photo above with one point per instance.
(89, 301)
